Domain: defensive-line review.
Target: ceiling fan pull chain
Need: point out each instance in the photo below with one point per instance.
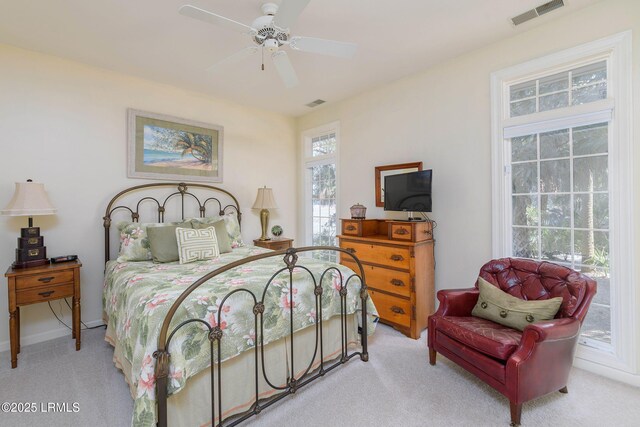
(262, 50)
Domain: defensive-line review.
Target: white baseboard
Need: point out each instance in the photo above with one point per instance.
(45, 336)
(605, 371)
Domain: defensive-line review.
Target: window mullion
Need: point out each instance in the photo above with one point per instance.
(539, 197)
(571, 198)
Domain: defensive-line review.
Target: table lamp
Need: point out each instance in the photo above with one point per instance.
(30, 199)
(264, 202)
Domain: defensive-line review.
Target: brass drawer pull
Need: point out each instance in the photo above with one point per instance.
(397, 310)
(397, 258)
(401, 231)
(350, 228)
(396, 282)
(46, 279)
(350, 250)
(46, 294)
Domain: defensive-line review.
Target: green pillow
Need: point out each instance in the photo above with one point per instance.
(231, 223)
(500, 307)
(224, 243)
(163, 242)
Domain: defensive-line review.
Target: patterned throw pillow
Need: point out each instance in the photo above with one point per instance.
(196, 244)
(134, 243)
(232, 225)
(134, 240)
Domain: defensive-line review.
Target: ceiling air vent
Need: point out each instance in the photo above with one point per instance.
(316, 103)
(534, 13)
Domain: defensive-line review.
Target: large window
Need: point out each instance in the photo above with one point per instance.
(321, 183)
(561, 173)
(560, 208)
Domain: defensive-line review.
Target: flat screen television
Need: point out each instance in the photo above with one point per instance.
(409, 192)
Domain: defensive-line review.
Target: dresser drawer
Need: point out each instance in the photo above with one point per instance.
(384, 279)
(45, 293)
(401, 232)
(392, 309)
(44, 279)
(359, 227)
(392, 256)
(351, 228)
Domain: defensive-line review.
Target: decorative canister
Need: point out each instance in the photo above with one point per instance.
(358, 211)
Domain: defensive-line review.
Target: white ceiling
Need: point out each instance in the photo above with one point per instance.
(149, 39)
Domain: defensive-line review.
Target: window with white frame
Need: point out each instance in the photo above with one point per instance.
(321, 185)
(561, 175)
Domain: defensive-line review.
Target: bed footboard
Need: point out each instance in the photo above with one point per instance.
(215, 335)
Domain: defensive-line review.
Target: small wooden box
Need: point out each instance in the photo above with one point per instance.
(359, 227)
(30, 242)
(30, 232)
(31, 254)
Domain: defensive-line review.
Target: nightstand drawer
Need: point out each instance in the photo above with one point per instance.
(276, 246)
(392, 309)
(44, 279)
(46, 293)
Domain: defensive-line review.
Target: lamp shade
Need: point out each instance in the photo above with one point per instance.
(29, 199)
(265, 199)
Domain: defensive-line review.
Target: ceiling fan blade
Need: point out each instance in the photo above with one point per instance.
(324, 47)
(289, 11)
(236, 57)
(212, 18)
(285, 69)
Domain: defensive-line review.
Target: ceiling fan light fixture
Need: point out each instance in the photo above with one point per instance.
(271, 45)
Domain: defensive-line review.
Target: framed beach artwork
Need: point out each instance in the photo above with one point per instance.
(169, 148)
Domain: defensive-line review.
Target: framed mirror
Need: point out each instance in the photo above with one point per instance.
(382, 171)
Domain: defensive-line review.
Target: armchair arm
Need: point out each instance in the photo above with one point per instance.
(457, 302)
(542, 362)
(556, 329)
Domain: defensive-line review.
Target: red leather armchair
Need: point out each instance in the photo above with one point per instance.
(521, 365)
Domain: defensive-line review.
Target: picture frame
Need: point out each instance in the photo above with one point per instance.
(382, 171)
(171, 148)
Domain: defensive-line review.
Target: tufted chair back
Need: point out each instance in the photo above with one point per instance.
(536, 280)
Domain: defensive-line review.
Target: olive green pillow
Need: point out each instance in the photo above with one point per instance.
(500, 307)
(224, 243)
(163, 242)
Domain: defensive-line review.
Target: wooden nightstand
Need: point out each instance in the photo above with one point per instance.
(41, 284)
(274, 244)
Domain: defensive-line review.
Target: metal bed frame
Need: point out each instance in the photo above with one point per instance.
(216, 334)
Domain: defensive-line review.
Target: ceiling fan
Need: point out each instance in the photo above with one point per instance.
(271, 32)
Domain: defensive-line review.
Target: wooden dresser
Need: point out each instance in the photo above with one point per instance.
(398, 262)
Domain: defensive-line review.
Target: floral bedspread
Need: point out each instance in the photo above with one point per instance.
(138, 295)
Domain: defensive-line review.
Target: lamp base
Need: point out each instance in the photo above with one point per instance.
(264, 222)
(31, 251)
(30, 264)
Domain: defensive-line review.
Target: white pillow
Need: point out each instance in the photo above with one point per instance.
(197, 244)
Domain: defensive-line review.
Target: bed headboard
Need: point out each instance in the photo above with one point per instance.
(158, 194)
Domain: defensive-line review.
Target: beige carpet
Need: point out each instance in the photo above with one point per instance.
(397, 387)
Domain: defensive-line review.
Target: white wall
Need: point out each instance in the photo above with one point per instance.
(442, 117)
(64, 124)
